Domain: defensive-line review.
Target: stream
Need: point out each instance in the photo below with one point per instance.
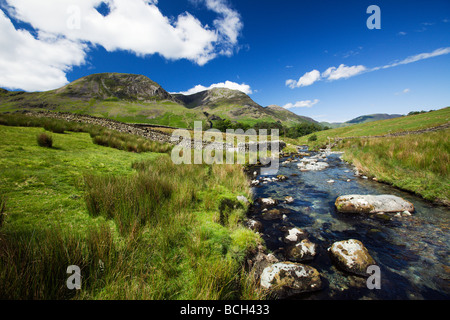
(411, 251)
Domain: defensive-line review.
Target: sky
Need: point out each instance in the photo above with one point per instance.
(317, 58)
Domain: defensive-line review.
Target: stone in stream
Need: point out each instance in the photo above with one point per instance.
(267, 202)
(272, 214)
(351, 256)
(372, 204)
(286, 279)
(255, 225)
(289, 199)
(305, 250)
(294, 235)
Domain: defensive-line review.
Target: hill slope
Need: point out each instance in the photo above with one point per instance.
(383, 127)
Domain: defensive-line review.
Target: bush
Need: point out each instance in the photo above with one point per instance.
(45, 140)
(312, 138)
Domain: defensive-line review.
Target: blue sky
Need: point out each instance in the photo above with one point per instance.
(317, 58)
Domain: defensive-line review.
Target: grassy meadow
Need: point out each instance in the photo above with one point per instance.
(138, 226)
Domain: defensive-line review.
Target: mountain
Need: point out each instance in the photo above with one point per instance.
(115, 85)
(374, 117)
(237, 106)
(137, 99)
(286, 115)
(362, 119)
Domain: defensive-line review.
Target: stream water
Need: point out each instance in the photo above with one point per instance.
(412, 252)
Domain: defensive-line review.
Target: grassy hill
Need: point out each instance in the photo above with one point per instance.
(137, 99)
(383, 127)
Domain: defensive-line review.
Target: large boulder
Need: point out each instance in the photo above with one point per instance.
(351, 256)
(285, 279)
(372, 204)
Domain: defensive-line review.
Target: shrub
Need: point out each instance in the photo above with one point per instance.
(55, 126)
(45, 140)
(312, 138)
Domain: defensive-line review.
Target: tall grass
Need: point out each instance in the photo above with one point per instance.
(127, 142)
(2, 209)
(418, 163)
(189, 254)
(34, 264)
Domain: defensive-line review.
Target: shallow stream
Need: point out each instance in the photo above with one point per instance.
(412, 252)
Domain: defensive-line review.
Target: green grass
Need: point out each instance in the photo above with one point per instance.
(139, 226)
(417, 163)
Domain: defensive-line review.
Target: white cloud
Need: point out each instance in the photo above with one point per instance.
(136, 26)
(301, 104)
(245, 88)
(306, 80)
(402, 33)
(31, 63)
(344, 72)
(405, 91)
(417, 57)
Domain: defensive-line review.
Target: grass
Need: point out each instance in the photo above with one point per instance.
(138, 226)
(417, 163)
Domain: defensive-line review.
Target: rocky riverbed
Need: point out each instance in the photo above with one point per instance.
(319, 248)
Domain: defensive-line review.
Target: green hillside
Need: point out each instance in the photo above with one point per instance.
(383, 127)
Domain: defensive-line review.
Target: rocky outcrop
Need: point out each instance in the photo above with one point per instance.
(286, 279)
(351, 256)
(372, 204)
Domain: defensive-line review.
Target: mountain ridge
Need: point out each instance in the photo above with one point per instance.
(137, 98)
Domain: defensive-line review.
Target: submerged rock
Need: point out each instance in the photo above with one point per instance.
(286, 279)
(372, 204)
(289, 199)
(351, 256)
(312, 165)
(273, 214)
